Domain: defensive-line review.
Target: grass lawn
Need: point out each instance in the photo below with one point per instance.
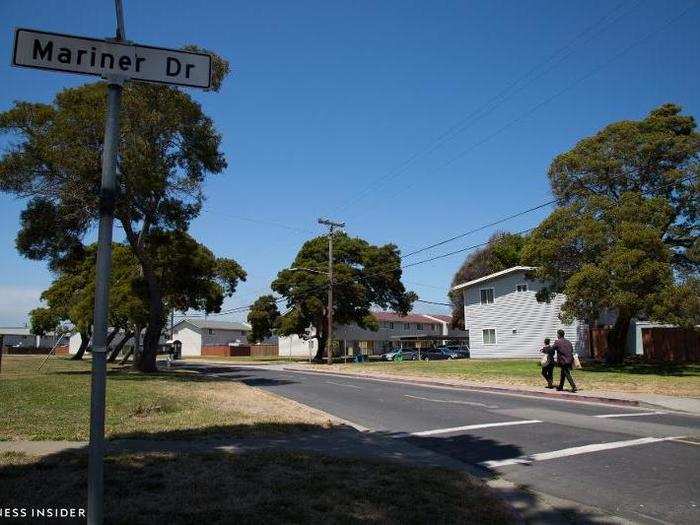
(54, 404)
(262, 487)
(678, 380)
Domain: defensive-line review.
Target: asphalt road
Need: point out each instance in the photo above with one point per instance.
(631, 462)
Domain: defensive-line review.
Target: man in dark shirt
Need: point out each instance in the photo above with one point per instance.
(565, 359)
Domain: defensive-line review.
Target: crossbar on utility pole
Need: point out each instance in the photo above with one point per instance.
(103, 270)
(331, 229)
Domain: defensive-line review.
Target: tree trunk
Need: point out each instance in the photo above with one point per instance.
(84, 343)
(145, 361)
(127, 355)
(115, 352)
(617, 340)
(111, 336)
(321, 350)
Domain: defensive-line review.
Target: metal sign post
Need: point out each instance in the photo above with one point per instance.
(115, 60)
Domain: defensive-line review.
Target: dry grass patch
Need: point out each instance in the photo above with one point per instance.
(54, 404)
(265, 487)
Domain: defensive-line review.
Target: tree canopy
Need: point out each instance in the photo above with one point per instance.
(365, 275)
(167, 147)
(263, 318)
(624, 237)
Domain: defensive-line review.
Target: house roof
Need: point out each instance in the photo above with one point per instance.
(495, 275)
(410, 318)
(15, 331)
(442, 317)
(216, 325)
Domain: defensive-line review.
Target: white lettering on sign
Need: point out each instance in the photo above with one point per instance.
(89, 56)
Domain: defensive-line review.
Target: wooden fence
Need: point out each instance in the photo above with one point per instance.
(599, 343)
(671, 345)
(241, 351)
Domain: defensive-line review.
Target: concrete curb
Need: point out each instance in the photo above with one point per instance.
(481, 388)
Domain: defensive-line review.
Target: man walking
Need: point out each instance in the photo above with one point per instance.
(565, 359)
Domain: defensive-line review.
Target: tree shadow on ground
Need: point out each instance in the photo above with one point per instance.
(183, 376)
(307, 474)
(662, 369)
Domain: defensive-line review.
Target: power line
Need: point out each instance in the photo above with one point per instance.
(263, 222)
(432, 302)
(428, 260)
(483, 110)
(480, 228)
(547, 100)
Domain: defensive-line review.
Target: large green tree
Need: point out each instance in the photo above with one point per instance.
(70, 298)
(624, 238)
(502, 251)
(187, 272)
(167, 147)
(365, 275)
(263, 318)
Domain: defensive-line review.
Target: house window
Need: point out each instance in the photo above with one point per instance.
(210, 331)
(419, 326)
(521, 288)
(391, 326)
(407, 326)
(489, 336)
(432, 327)
(486, 295)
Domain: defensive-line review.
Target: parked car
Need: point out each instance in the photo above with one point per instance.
(407, 355)
(455, 352)
(391, 355)
(432, 354)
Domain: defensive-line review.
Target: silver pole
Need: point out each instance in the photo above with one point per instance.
(120, 20)
(103, 270)
(99, 350)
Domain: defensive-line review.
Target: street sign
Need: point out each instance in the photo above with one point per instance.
(105, 58)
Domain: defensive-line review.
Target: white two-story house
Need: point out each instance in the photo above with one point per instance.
(504, 319)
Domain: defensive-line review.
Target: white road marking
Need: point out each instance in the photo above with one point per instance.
(344, 384)
(573, 451)
(473, 427)
(450, 401)
(634, 414)
(687, 442)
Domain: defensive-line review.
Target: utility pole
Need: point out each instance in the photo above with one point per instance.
(104, 264)
(331, 229)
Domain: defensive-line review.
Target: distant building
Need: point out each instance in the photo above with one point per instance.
(203, 337)
(23, 338)
(407, 331)
(504, 318)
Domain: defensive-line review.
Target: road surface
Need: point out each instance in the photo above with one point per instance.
(636, 463)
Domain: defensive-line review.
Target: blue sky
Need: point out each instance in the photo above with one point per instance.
(327, 102)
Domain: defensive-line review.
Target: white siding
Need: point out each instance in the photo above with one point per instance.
(190, 338)
(294, 346)
(521, 323)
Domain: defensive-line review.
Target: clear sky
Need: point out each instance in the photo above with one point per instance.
(334, 108)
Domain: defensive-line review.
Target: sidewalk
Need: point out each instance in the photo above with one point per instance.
(689, 405)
